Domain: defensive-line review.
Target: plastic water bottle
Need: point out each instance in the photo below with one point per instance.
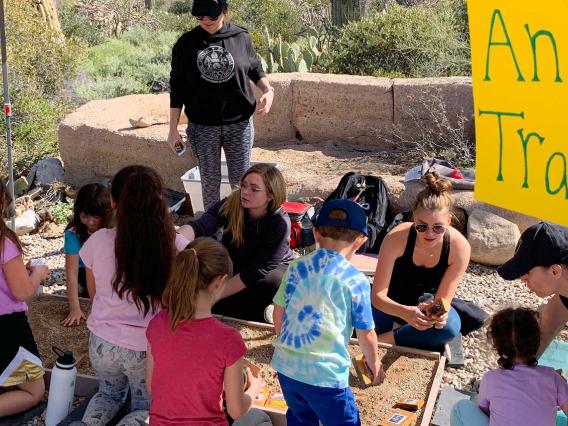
(61, 388)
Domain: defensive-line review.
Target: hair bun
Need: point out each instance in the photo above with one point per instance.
(435, 184)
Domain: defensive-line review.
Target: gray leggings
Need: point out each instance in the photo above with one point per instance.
(118, 369)
(206, 142)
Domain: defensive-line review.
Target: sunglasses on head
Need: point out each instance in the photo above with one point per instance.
(438, 229)
(211, 18)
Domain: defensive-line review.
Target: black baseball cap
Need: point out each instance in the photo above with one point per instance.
(543, 244)
(211, 8)
(355, 218)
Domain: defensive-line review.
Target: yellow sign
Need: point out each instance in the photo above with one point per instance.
(519, 52)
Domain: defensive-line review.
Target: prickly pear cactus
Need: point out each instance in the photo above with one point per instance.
(280, 56)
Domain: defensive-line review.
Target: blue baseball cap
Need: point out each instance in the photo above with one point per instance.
(355, 215)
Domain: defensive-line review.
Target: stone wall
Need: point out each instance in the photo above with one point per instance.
(97, 139)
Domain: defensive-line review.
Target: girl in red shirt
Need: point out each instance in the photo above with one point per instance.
(192, 357)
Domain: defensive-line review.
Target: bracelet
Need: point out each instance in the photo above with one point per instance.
(269, 89)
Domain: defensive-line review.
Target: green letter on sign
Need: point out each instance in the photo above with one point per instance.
(563, 182)
(533, 46)
(497, 13)
(500, 114)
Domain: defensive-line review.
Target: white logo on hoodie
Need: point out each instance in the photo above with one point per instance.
(215, 64)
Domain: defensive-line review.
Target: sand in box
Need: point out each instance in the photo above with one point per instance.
(407, 375)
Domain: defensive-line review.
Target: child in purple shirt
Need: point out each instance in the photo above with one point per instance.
(520, 392)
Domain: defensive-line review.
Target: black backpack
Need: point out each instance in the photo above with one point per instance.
(371, 193)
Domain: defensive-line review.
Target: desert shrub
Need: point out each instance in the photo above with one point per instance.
(41, 66)
(61, 212)
(280, 16)
(75, 26)
(180, 7)
(422, 41)
(136, 62)
(113, 17)
(438, 134)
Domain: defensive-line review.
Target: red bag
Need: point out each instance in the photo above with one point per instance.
(301, 219)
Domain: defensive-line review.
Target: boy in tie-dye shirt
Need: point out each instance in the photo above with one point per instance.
(321, 299)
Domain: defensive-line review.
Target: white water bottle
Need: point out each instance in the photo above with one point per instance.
(61, 388)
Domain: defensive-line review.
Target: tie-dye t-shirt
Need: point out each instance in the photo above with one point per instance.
(324, 297)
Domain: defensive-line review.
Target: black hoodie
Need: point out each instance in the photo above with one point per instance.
(266, 241)
(210, 75)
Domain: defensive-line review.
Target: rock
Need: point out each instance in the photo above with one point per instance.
(26, 222)
(20, 186)
(46, 171)
(51, 230)
(24, 203)
(492, 238)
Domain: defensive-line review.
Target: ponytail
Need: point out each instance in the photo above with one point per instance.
(195, 268)
(145, 237)
(436, 194)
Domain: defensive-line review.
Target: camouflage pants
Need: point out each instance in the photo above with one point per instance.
(118, 370)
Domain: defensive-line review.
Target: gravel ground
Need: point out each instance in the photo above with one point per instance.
(480, 284)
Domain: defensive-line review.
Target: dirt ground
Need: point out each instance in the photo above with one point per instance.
(45, 315)
(315, 170)
(407, 376)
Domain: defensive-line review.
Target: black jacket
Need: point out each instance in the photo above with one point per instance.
(266, 242)
(210, 75)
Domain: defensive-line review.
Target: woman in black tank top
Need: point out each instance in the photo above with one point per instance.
(424, 256)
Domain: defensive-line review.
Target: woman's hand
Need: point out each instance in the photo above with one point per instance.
(416, 318)
(175, 140)
(441, 321)
(265, 103)
(74, 317)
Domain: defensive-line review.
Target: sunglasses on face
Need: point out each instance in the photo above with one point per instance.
(211, 18)
(438, 229)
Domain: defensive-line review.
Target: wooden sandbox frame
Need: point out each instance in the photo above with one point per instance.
(86, 385)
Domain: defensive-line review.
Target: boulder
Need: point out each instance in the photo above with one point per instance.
(493, 239)
(354, 108)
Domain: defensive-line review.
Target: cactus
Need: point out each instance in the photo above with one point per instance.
(343, 11)
(281, 56)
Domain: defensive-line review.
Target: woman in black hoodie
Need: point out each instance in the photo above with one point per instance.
(256, 232)
(212, 66)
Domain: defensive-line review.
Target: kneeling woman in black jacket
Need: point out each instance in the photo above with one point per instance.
(256, 232)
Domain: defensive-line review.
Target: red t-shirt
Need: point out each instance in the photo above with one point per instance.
(189, 368)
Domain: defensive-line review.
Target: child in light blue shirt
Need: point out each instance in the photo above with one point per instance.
(321, 299)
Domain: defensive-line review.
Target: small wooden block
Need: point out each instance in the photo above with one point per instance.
(410, 404)
(261, 398)
(276, 402)
(362, 369)
(398, 418)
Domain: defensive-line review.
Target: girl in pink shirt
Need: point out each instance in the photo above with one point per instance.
(192, 356)
(18, 283)
(520, 392)
(127, 268)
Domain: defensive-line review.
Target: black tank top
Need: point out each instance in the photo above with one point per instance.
(408, 281)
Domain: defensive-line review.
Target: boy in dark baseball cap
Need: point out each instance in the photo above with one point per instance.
(321, 299)
(541, 261)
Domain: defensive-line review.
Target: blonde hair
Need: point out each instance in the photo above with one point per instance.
(233, 210)
(195, 268)
(435, 196)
